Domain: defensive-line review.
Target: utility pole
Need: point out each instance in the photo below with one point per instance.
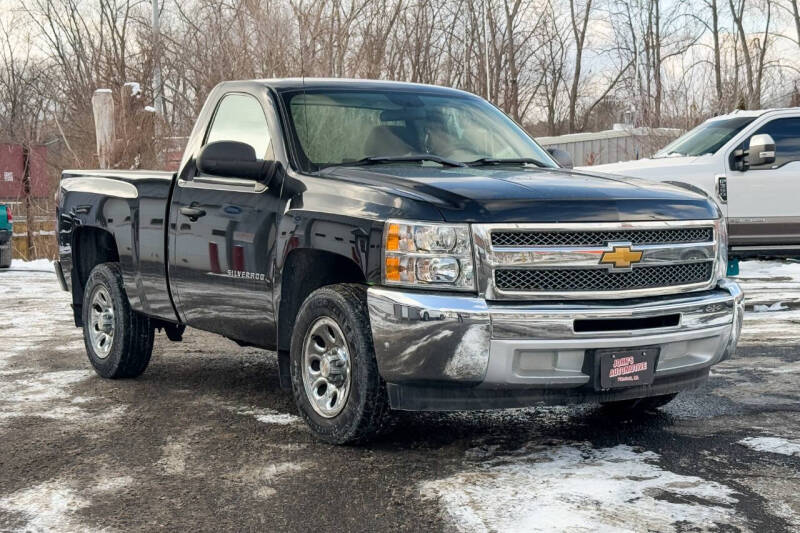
(158, 98)
(486, 50)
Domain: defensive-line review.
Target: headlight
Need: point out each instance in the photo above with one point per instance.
(721, 227)
(437, 256)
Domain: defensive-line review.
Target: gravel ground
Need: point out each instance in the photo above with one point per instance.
(205, 440)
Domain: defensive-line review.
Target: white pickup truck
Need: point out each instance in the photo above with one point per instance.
(749, 161)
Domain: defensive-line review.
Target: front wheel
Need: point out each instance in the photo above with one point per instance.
(335, 378)
(119, 341)
(640, 404)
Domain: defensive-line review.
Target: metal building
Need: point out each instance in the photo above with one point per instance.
(623, 143)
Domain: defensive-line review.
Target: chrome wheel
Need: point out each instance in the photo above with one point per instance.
(326, 367)
(101, 322)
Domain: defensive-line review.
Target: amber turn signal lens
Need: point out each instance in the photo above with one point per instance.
(393, 268)
(393, 238)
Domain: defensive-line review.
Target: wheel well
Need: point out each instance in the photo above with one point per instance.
(304, 272)
(90, 247)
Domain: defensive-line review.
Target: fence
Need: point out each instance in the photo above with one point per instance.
(43, 230)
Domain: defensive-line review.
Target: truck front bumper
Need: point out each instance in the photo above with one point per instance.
(449, 352)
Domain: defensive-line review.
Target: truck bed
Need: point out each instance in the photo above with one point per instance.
(130, 205)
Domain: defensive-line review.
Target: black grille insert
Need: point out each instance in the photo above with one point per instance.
(563, 280)
(601, 238)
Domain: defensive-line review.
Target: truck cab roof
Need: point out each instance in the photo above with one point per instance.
(756, 112)
(297, 84)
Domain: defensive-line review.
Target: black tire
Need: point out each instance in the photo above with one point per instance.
(132, 342)
(366, 407)
(638, 405)
(5, 255)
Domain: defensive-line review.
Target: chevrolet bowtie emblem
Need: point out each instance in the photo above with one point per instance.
(620, 257)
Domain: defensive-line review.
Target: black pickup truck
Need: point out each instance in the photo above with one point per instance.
(399, 246)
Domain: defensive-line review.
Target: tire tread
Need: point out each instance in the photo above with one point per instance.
(137, 332)
(355, 325)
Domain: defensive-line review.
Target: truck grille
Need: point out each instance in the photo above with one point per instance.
(580, 280)
(604, 260)
(600, 238)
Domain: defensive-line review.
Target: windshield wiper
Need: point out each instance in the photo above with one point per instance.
(416, 158)
(485, 161)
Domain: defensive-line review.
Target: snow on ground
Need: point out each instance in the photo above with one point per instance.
(773, 445)
(777, 306)
(772, 299)
(43, 265)
(55, 505)
(33, 311)
(264, 414)
(789, 270)
(575, 487)
(48, 506)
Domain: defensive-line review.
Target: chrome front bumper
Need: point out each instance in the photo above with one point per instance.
(426, 339)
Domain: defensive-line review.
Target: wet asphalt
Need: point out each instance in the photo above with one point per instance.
(206, 441)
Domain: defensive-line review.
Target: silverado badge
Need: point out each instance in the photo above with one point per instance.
(620, 257)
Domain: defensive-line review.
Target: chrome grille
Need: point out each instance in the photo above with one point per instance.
(581, 280)
(601, 238)
(604, 260)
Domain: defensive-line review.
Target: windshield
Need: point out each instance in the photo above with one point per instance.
(706, 138)
(340, 127)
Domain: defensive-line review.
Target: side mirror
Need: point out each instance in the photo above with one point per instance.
(562, 157)
(762, 150)
(232, 159)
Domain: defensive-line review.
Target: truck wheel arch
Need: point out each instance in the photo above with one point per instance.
(91, 246)
(304, 271)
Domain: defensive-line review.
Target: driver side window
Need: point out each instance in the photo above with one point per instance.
(786, 134)
(239, 117)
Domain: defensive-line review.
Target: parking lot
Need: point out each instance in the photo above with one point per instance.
(205, 440)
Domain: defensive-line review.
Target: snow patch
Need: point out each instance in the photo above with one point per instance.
(150, 109)
(772, 445)
(769, 270)
(41, 265)
(49, 506)
(52, 505)
(777, 306)
(268, 416)
(277, 418)
(136, 88)
(30, 392)
(579, 488)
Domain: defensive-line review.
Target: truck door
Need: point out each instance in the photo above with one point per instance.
(763, 212)
(224, 231)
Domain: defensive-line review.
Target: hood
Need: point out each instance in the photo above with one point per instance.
(662, 168)
(531, 195)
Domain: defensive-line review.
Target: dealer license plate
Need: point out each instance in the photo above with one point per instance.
(628, 367)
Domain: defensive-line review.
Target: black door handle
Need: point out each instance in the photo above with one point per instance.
(193, 213)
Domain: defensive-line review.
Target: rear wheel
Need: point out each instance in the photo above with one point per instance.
(335, 378)
(640, 404)
(119, 341)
